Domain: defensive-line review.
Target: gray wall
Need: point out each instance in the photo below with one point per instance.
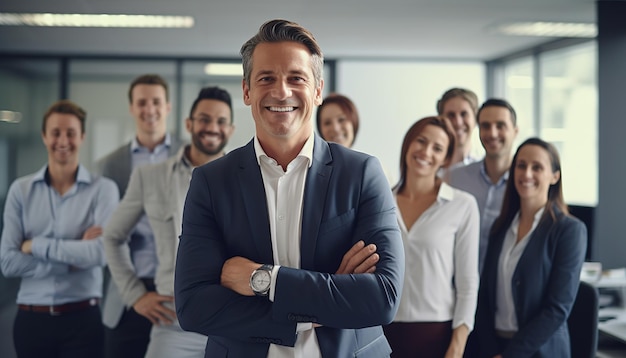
(611, 211)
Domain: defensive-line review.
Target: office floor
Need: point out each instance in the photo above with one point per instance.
(610, 348)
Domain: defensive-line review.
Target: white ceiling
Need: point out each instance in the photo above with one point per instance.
(455, 29)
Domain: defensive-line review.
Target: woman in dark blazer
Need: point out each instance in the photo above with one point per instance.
(532, 268)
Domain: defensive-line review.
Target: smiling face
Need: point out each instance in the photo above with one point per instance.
(335, 125)
(533, 174)
(282, 91)
(461, 115)
(497, 131)
(63, 137)
(211, 126)
(427, 152)
(149, 107)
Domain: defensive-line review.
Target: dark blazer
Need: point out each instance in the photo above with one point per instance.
(346, 199)
(544, 284)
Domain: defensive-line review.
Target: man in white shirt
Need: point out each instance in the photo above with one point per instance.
(262, 267)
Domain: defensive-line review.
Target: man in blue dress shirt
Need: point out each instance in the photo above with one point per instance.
(51, 238)
(127, 329)
(486, 179)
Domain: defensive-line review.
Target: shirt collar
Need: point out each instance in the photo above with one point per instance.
(42, 175)
(515, 222)
(182, 154)
(483, 172)
(135, 145)
(306, 151)
(446, 192)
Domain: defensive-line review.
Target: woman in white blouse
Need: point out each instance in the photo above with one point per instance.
(440, 228)
(532, 268)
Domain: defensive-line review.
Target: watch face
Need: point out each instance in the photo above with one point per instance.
(261, 281)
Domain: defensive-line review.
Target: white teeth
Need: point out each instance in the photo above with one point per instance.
(281, 109)
(422, 162)
(527, 184)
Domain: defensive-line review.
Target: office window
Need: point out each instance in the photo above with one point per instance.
(554, 93)
(519, 90)
(391, 95)
(569, 117)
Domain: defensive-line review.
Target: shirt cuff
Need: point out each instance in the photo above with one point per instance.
(39, 247)
(303, 326)
(273, 282)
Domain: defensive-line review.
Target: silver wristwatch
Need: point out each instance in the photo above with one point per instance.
(261, 279)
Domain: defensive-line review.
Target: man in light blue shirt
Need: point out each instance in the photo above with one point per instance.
(127, 329)
(486, 179)
(51, 238)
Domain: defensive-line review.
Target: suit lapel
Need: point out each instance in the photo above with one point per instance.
(125, 165)
(255, 202)
(315, 190)
(535, 243)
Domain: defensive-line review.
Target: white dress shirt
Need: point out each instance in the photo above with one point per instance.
(505, 318)
(441, 249)
(284, 191)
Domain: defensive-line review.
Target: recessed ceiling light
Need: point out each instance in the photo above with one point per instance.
(223, 69)
(547, 29)
(95, 20)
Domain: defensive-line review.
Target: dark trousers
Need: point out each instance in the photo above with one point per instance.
(69, 335)
(419, 339)
(131, 336)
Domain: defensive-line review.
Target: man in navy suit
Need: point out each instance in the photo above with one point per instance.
(276, 256)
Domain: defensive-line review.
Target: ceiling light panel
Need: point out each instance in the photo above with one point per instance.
(548, 29)
(96, 20)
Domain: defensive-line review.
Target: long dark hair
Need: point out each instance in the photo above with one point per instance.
(413, 132)
(511, 203)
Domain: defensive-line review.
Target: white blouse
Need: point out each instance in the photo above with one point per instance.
(505, 318)
(441, 250)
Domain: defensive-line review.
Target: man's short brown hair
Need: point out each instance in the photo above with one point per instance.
(67, 107)
(149, 79)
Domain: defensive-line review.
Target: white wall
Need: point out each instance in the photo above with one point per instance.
(391, 95)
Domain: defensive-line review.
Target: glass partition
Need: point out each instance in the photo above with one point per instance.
(28, 87)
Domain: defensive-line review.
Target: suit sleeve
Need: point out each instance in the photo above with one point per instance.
(560, 292)
(116, 239)
(338, 300)
(202, 304)
(13, 262)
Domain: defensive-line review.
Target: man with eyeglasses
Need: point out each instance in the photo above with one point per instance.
(159, 191)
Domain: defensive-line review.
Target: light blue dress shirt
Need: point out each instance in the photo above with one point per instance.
(473, 179)
(62, 268)
(142, 246)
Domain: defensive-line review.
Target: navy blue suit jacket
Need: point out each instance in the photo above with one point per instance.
(346, 199)
(544, 285)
